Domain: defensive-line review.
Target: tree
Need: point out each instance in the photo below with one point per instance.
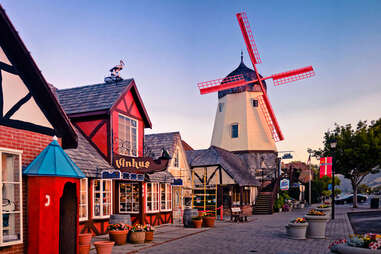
(364, 189)
(357, 153)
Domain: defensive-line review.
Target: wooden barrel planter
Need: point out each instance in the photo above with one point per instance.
(137, 237)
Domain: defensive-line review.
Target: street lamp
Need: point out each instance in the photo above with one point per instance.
(333, 146)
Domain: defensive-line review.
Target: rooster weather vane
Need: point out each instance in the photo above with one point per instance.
(115, 75)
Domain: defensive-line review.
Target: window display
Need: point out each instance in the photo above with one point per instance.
(102, 198)
(129, 197)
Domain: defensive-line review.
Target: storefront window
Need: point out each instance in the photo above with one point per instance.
(129, 197)
(102, 197)
(152, 197)
(127, 132)
(11, 212)
(166, 197)
(83, 202)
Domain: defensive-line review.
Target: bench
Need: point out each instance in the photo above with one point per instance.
(237, 214)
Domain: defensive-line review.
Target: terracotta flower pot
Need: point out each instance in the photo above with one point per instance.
(118, 236)
(197, 223)
(209, 221)
(149, 236)
(104, 247)
(85, 239)
(137, 237)
(84, 249)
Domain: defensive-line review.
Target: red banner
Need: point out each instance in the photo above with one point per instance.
(326, 166)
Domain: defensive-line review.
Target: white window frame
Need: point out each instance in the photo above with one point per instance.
(129, 212)
(137, 136)
(167, 190)
(153, 199)
(19, 153)
(86, 204)
(101, 199)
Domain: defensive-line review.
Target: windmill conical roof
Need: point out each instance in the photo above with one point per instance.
(53, 161)
(248, 75)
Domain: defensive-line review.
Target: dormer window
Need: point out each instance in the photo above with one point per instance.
(176, 159)
(128, 136)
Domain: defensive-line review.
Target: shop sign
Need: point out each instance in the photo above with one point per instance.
(284, 184)
(133, 176)
(139, 164)
(177, 182)
(110, 174)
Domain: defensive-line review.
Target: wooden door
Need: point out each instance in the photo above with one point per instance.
(68, 219)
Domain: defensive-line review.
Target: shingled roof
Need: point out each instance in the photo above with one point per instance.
(99, 97)
(230, 162)
(154, 143)
(92, 97)
(87, 158)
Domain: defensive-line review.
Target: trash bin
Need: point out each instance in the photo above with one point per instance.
(375, 203)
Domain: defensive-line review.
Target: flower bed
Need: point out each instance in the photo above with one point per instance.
(358, 244)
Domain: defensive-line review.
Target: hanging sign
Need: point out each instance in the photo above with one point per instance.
(326, 166)
(139, 164)
(284, 184)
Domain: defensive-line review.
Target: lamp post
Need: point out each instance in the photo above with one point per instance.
(309, 151)
(333, 146)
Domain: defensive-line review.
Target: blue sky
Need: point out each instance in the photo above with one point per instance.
(169, 46)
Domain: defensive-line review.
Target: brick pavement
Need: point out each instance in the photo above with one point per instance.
(262, 234)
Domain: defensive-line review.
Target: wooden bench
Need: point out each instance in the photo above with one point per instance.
(237, 214)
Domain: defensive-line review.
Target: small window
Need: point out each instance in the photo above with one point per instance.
(102, 198)
(220, 107)
(83, 202)
(152, 197)
(176, 159)
(234, 130)
(166, 197)
(255, 103)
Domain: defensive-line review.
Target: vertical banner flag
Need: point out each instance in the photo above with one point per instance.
(326, 166)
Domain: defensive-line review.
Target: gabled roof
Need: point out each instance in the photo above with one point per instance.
(229, 161)
(154, 143)
(87, 158)
(100, 97)
(32, 77)
(53, 161)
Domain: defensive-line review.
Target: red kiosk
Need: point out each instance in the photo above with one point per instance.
(53, 196)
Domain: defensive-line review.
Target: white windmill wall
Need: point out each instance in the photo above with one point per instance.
(253, 131)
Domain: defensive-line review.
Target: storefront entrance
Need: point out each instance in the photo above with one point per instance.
(177, 204)
(68, 219)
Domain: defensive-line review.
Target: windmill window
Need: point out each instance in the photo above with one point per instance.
(234, 130)
(254, 102)
(220, 107)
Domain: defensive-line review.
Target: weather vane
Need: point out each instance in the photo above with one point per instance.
(115, 75)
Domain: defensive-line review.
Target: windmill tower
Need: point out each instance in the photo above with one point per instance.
(245, 122)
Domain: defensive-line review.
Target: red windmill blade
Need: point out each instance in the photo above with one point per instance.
(291, 76)
(249, 38)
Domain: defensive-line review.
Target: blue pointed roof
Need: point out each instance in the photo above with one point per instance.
(53, 161)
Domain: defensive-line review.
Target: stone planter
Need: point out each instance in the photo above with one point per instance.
(85, 239)
(208, 222)
(316, 226)
(104, 247)
(346, 249)
(148, 236)
(137, 237)
(197, 223)
(118, 236)
(325, 210)
(297, 230)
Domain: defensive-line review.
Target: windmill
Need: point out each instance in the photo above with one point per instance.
(234, 81)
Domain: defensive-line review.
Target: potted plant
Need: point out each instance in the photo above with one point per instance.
(208, 220)
(148, 233)
(84, 243)
(197, 221)
(296, 229)
(317, 222)
(326, 208)
(104, 247)
(137, 234)
(358, 244)
(118, 233)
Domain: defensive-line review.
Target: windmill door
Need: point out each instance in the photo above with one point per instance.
(68, 217)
